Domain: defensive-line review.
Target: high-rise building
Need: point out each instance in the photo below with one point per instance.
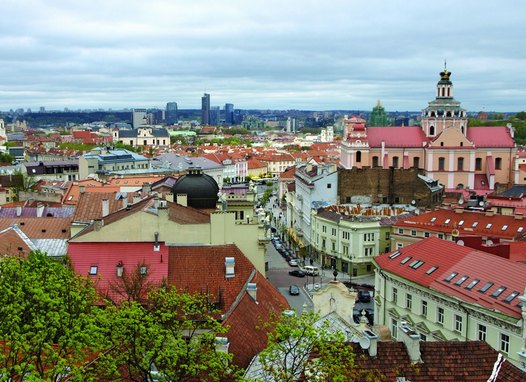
(139, 118)
(171, 113)
(205, 109)
(229, 113)
(215, 113)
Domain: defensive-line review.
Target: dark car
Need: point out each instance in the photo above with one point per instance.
(294, 290)
(297, 273)
(364, 296)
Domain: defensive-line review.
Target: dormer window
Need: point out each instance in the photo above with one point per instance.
(93, 270)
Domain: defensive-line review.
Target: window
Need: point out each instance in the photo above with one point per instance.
(334, 232)
(329, 185)
(511, 296)
(375, 161)
(399, 245)
(441, 164)
(408, 301)
(481, 332)
(345, 250)
(460, 164)
(447, 221)
(401, 231)
(395, 162)
(416, 162)
(423, 337)
(472, 284)
(440, 315)
(406, 259)
(488, 285)
(368, 251)
(426, 234)
(394, 254)
(431, 270)
(394, 328)
(413, 232)
(440, 235)
(324, 229)
(333, 246)
(451, 276)
(504, 343)
(458, 323)
(504, 227)
(498, 163)
(424, 308)
(358, 156)
(346, 235)
(461, 280)
(143, 270)
(93, 270)
(387, 236)
(488, 226)
(478, 164)
(395, 295)
(498, 292)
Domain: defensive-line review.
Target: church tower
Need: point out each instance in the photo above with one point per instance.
(444, 111)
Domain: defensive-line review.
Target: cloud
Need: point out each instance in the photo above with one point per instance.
(338, 54)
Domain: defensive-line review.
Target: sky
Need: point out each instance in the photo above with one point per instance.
(261, 54)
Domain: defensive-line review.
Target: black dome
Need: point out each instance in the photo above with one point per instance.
(201, 189)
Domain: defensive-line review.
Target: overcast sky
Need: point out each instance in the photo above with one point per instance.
(276, 54)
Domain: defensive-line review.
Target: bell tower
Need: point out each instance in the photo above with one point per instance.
(444, 111)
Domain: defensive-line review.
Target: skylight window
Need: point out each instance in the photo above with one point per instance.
(413, 263)
(504, 227)
(395, 254)
(461, 222)
(472, 284)
(406, 259)
(488, 226)
(511, 296)
(433, 219)
(498, 292)
(474, 224)
(447, 221)
(451, 276)
(461, 280)
(431, 270)
(488, 285)
(520, 229)
(417, 265)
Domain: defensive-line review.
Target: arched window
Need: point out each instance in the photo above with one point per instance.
(462, 129)
(432, 130)
(441, 163)
(358, 157)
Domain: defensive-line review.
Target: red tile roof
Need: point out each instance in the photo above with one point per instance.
(442, 361)
(449, 258)
(490, 136)
(410, 136)
(506, 227)
(202, 269)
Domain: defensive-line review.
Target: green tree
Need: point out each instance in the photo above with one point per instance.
(27, 183)
(6, 158)
(170, 338)
(49, 325)
(305, 345)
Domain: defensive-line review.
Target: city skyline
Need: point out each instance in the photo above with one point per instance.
(338, 55)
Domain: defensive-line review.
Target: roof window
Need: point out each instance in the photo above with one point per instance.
(472, 284)
(488, 285)
(406, 259)
(488, 226)
(460, 223)
(498, 292)
(431, 270)
(504, 227)
(433, 219)
(451, 276)
(511, 296)
(395, 254)
(461, 280)
(447, 221)
(474, 224)
(520, 229)
(416, 264)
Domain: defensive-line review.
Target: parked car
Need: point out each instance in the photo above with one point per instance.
(293, 262)
(294, 290)
(364, 296)
(297, 273)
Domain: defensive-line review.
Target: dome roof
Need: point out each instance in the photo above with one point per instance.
(201, 189)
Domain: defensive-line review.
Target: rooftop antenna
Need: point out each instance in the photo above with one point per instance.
(445, 64)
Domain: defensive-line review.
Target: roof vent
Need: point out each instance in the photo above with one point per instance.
(230, 262)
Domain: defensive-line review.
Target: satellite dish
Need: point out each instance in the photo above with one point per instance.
(365, 343)
(460, 242)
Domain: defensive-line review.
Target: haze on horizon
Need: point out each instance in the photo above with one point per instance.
(260, 54)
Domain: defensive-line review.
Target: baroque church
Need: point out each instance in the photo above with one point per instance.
(478, 158)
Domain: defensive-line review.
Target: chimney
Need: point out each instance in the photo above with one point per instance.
(373, 342)
(105, 207)
(40, 210)
(230, 263)
(489, 213)
(98, 224)
(411, 339)
(156, 245)
(18, 210)
(252, 290)
(182, 199)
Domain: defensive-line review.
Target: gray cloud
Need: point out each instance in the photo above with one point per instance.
(338, 54)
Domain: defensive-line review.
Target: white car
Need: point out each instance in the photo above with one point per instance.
(293, 262)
